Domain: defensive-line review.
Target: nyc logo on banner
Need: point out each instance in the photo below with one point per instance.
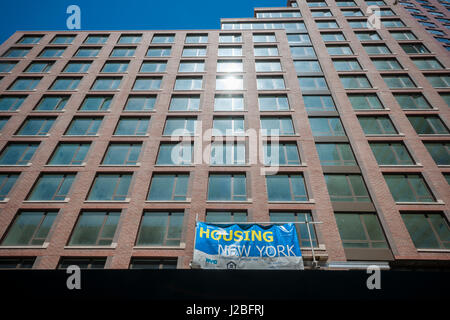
(252, 246)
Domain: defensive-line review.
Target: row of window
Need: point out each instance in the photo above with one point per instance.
(165, 229)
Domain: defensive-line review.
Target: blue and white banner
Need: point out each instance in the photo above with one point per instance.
(238, 246)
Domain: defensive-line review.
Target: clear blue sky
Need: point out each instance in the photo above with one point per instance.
(124, 14)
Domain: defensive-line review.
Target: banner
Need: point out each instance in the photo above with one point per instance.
(242, 246)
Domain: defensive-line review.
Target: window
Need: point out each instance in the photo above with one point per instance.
(414, 48)
(17, 263)
(228, 102)
(192, 66)
(319, 103)
(380, 125)
(82, 263)
(274, 126)
(403, 35)
(30, 228)
(326, 24)
(115, 67)
(326, 126)
(264, 37)
(122, 154)
(188, 83)
(339, 50)
(69, 154)
(321, 13)
(77, 67)
(377, 49)
(312, 83)
(96, 103)
(194, 52)
(227, 187)
(62, 39)
(281, 154)
(286, 187)
(130, 38)
(367, 36)
(84, 126)
(313, 4)
(123, 52)
(393, 23)
(7, 66)
(335, 154)
(140, 103)
(110, 187)
(412, 101)
(7, 181)
(428, 125)
(387, 64)
(38, 67)
(345, 4)
(95, 228)
(332, 36)
(398, 81)
(355, 82)
(52, 187)
(360, 230)
(439, 81)
(346, 188)
(278, 14)
(16, 53)
(229, 153)
(11, 103)
(231, 66)
(427, 230)
(180, 126)
(365, 101)
(196, 38)
(153, 66)
(228, 126)
(346, 65)
(159, 52)
(440, 151)
(65, 84)
(52, 52)
(24, 84)
(152, 263)
(391, 153)
(273, 102)
(307, 66)
(445, 96)
(352, 13)
(175, 154)
(185, 103)
(168, 187)
(266, 51)
(229, 83)
(3, 121)
(427, 63)
(226, 216)
(225, 51)
(96, 39)
(302, 229)
(36, 126)
(298, 38)
(52, 103)
(163, 38)
(230, 37)
(105, 84)
(270, 83)
(160, 229)
(297, 51)
(132, 126)
(408, 188)
(359, 24)
(30, 39)
(18, 153)
(145, 84)
(87, 52)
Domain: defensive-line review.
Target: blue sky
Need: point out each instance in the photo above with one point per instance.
(124, 14)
